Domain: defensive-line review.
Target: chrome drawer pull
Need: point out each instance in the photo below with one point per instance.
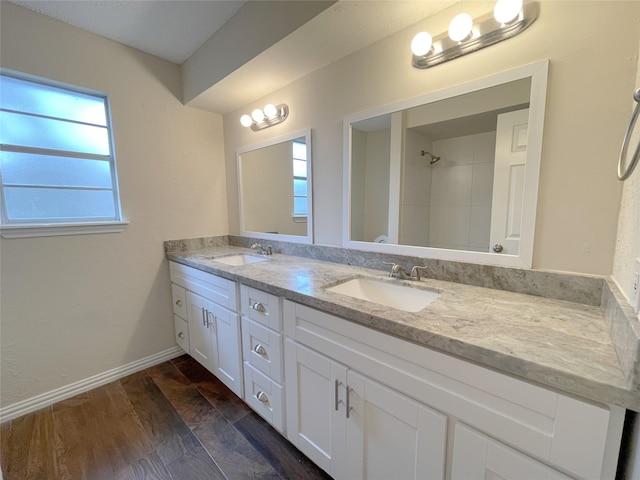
(259, 307)
(349, 407)
(179, 302)
(262, 397)
(260, 350)
(336, 394)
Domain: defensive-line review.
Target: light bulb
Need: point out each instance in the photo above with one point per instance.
(270, 110)
(257, 115)
(246, 120)
(506, 11)
(460, 27)
(421, 44)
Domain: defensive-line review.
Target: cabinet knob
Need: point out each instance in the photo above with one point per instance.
(181, 335)
(179, 302)
(262, 397)
(497, 248)
(259, 307)
(260, 350)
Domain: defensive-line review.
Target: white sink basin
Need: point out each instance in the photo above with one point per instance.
(395, 295)
(240, 259)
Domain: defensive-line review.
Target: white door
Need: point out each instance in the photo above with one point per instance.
(478, 457)
(202, 343)
(315, 406)
(226, 354)
(391, 436)
(508, 181)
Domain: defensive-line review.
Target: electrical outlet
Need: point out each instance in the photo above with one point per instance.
(635, 289)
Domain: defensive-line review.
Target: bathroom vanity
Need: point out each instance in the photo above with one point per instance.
(480, 383)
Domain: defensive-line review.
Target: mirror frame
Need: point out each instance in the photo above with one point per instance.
(538, 72)
(308, 238)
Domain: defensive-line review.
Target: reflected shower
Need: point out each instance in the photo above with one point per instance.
(434, 158)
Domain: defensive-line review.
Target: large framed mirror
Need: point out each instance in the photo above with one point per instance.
(275, 189)
(449, 175)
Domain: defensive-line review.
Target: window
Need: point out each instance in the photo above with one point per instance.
(57, 165)
(299, 180)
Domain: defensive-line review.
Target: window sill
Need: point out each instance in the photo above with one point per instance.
(54, 230)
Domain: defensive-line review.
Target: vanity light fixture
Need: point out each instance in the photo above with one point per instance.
(509, 18)
(268, 117)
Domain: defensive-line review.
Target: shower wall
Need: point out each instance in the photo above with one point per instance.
(416, 191)
(461, 191)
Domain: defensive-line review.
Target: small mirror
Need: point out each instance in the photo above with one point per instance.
(274, 188)
(451, 175)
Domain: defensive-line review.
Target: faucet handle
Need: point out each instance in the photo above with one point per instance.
(415, 271)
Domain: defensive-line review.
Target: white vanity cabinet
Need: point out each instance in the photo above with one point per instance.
(425, 414)
(262, 354)
(353, 427)
(213, 324)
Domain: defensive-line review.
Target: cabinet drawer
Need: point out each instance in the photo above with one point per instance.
(179, 300)
(262, 349)
(182, 333)
(261, 307)
(265, 396)
(217, 289)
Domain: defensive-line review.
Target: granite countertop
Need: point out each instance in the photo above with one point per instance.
(560, 344)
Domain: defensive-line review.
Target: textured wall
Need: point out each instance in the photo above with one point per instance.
(76, 306)
(587, 113)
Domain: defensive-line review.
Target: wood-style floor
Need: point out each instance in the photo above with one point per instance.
(173, 421)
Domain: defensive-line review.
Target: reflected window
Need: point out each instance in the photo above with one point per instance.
(57, 162)
(299, 179)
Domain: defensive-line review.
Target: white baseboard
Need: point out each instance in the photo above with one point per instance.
(49, 398)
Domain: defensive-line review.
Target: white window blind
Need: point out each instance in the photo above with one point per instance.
(57, 164)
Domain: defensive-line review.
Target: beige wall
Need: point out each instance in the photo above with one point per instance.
(76, 306)
(590, 83)
(628, 239)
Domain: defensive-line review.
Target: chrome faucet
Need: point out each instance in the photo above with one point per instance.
(261, 250)
(398, 272)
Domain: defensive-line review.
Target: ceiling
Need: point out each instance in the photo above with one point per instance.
(186, 32)
(172, 30)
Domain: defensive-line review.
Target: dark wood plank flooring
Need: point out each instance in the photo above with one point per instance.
(174, 421)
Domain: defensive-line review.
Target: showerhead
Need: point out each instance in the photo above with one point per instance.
(434, 158)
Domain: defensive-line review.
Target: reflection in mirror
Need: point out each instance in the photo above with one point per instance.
(454, 176)
(274, 188)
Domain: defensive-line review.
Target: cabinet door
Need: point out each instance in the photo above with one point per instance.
(476, 456)
(315, 406)
(390, 435)
(226, 353)
(200, 337)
